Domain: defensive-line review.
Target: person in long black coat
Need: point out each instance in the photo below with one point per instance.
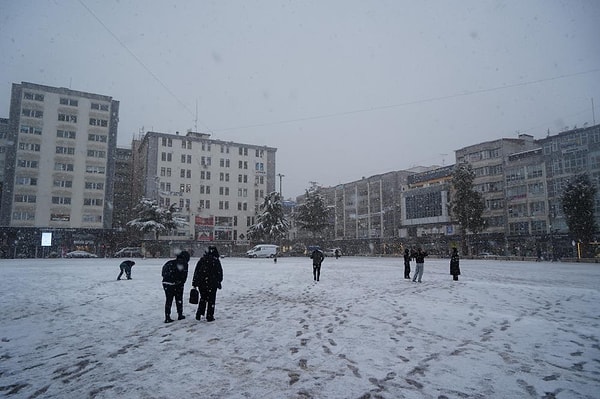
(208, 277)
(454, 264)
(317, 257)
(125, 267)
(174, 274)
(407, 263)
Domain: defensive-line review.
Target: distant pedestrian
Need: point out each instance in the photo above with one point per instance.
(407, 264)
(454, 264)
(125, 267)
(174, 274)
(420, 261)
(317, 257)
(208, 276)
(337, 253)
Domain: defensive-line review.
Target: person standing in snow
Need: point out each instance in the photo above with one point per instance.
(420, 260)
(317, 257)
(174, 274)
(407, 264)
(125, 267)
(454, 264)
(208, 276)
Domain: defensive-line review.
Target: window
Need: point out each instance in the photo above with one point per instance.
(101, 138)
(94, 185)
(29, 147)
(182, 158)
(25, 198)
(188, 174)
(98, 122)
(260, 167)
(245, 178)
(245, 164)
(240, 164)
(25, 163)
(32, 113)
(65, 134)
(91, 218)
(189, 158)
(167, 142)
(96, 153)
(26, 181)
(69, 101)
(92, 201)
(182, 173)
(33, 96)
(23, 215)
(163, 171)
(30, 130)
(259, 153)
(61, 200)
(95, 169)
(166, 156)
(65, 150)
(63, 183)
(67, 118)
(99, 107)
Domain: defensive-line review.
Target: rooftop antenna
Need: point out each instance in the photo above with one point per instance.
(196, 120)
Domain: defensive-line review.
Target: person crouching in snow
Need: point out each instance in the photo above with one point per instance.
(174, 274)
(454, 264)
(125, 267)
(208, 276)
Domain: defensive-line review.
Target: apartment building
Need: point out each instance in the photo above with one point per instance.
(217, 186)
(59, 162)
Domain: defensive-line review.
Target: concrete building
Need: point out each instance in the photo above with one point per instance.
(218, 186)
(59, 161)
(123, 200)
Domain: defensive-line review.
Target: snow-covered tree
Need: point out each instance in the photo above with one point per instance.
(152, 218)
(271, 223)
(313, 214)
(467, 205)
(578, 206)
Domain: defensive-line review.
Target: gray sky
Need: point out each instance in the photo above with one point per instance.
(343, 89)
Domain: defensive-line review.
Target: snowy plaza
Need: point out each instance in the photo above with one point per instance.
(504, 330)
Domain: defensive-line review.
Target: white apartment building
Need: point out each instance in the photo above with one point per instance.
(218, 186)
(59, 157)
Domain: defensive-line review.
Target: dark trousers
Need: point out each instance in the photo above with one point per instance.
(406, 270)
(208, 296)
(316, 272)
(127, 271)
(173, 291)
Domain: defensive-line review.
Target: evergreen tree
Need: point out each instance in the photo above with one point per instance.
(271, 223)
(152, 218)
(467, 205)
(578, 206)
(313, 214)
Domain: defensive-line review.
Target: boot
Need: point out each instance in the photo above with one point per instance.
(168, 319)
(180, 317)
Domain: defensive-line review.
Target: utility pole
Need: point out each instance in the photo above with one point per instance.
(280, 180)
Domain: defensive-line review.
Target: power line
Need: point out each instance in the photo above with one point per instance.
(414, 102)
(139, 61)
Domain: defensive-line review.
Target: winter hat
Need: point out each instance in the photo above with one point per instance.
(212, 250)
(185, 255)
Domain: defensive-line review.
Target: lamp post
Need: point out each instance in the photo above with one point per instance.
(280, 181)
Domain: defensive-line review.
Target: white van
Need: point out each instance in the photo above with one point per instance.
(263, 251)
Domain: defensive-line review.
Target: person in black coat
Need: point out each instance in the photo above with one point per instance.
(174, 274)
(407, 263)
(317, 257)
(208, 277)
(125, 267)
(454, 264)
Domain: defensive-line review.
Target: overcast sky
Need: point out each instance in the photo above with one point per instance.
(343, 89)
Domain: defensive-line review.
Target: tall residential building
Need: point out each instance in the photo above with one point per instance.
(217, 186)
(123, 201)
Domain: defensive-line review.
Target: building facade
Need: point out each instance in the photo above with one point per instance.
(217, 186)
(59, 156)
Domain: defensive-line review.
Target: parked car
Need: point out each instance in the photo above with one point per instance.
(129, 252)
(331, 252)
(80, 254)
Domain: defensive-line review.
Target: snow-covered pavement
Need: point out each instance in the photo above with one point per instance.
(68, 329)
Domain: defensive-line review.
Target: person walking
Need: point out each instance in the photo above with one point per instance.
(407, 264)
(125, 267)
(420, 260)
(454, 264)
(174, 274)
(208, 277)
(317, 257)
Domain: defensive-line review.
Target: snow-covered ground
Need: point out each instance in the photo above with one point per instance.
(68, 329)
